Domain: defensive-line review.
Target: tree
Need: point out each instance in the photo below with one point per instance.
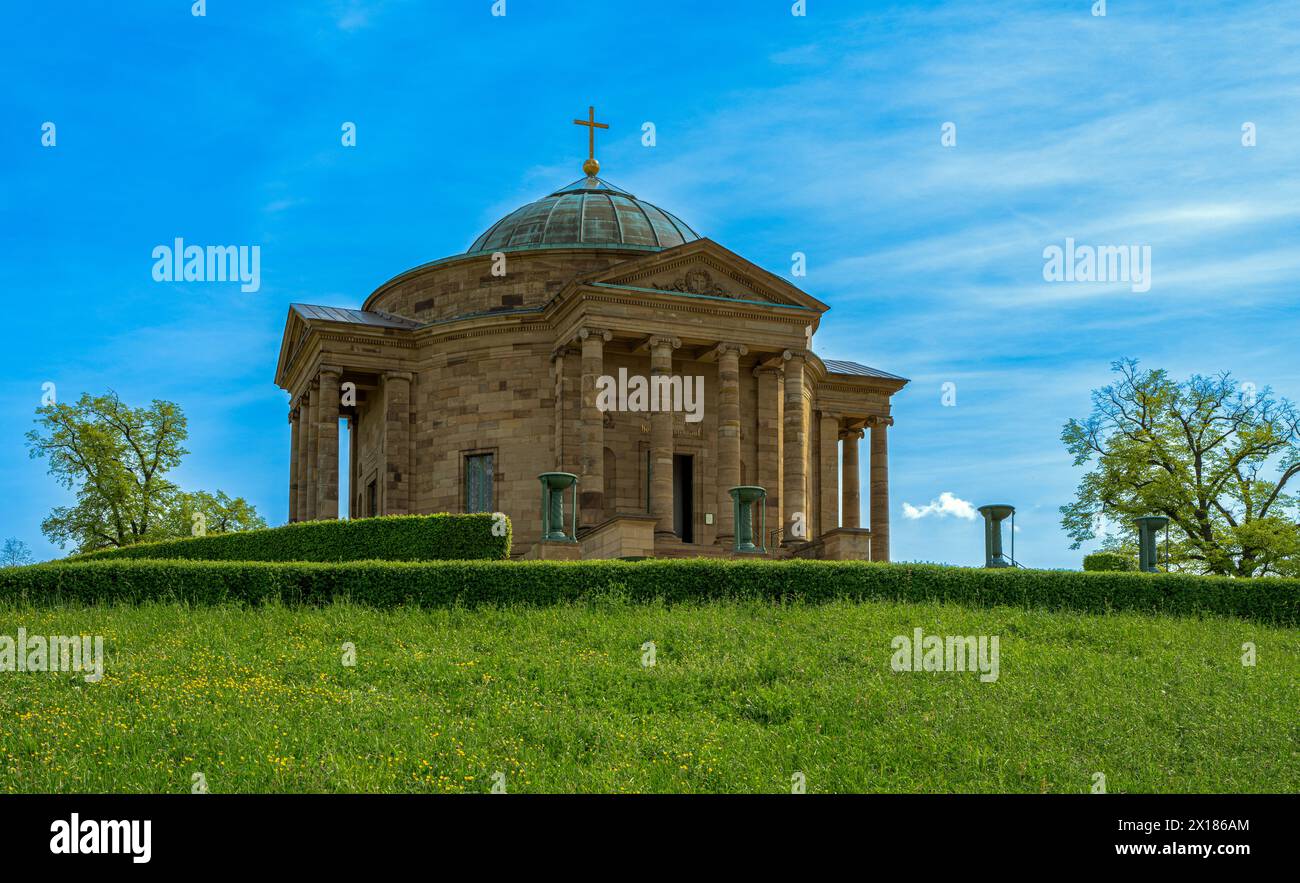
(214, 514)
(116, 458)
(1213, 455)
(15, 554)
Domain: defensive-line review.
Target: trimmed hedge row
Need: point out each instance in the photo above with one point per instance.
(386, 538)
(472, 583)
(1108, 561)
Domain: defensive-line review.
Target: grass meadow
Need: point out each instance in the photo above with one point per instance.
(742, 696)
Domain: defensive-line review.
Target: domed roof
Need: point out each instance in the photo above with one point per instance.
(590, 212)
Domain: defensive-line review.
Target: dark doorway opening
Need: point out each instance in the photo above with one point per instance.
(684, 497)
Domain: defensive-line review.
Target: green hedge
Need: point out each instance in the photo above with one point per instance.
(385, 584)
(1108, 561)
(388, 538)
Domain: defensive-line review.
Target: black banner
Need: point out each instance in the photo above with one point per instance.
(211, 832)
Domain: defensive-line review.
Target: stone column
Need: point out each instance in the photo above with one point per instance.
(293, 464)
(661, 441)
(829, 436)
(327, 445)
(768, 469)
(313, 439)
(852, 502)
(397, 443)
(354, 468)
(591, 484)
(879, 487)
(793, 499)
(808, 457)
(557, 363)
(728, 437)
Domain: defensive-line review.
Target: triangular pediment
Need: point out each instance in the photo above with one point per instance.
(705, 269)
(295, 332)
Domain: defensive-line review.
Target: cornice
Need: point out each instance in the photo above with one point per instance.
(683, 304)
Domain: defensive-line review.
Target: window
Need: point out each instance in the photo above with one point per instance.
(372, 499)
(478, 482)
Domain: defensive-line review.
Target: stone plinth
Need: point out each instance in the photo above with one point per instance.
(846, 544)
(623, 536)
(548, 550)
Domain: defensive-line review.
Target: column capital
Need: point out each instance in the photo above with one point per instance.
(790, 355)
(330, 371)
(398, 375)
(727, 346)
(853, 434)
(659, 340)
(588, 331)
(879, 420)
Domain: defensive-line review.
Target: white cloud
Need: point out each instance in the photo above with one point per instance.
(947, 504)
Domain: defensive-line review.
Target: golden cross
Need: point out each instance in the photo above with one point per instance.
(592, 126)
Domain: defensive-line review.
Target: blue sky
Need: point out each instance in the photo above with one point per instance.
(776, 134)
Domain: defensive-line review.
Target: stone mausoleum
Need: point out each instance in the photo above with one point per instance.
(463, 379)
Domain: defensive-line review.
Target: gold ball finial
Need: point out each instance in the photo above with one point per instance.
(591, 167)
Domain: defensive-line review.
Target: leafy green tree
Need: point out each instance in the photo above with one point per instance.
(15, 553)
(116, 459)
(1213, 455)
(213, 514)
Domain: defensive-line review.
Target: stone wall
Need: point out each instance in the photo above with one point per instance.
(494, 396)
(465, 286)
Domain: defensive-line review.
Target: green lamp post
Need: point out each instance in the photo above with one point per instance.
(743, 499)
(1148, 528)
(993, 516)
(554, 484)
